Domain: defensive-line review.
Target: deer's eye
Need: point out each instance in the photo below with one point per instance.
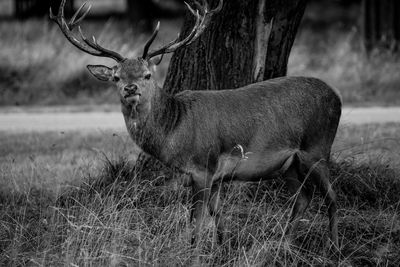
(116, 78)
(147, 76)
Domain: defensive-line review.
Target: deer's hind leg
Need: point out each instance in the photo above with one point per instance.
(319, 173)
(295, 185)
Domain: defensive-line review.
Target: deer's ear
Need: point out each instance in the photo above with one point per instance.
(103, 73)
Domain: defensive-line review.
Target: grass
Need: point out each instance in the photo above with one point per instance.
(338, 57)
(76, 199)
(368, 143)
(50, 159)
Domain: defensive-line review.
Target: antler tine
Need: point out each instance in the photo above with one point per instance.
(194, 12)
(174, 45)
(150, 41)
(61, 8)
(51, 14)
(167, 45)
(90, 47)
(218, 8)
(197, 4)
(86, 40)
(95, 45)
(159, 60)
(203, 18)
(73, 22)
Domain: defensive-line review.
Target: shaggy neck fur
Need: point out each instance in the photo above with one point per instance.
(153, 128)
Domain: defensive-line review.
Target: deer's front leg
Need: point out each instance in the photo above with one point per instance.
(215, 208)
(200, 197)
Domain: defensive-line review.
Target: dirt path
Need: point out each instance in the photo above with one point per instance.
(61, 121)
(87, 121)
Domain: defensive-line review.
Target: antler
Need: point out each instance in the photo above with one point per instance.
(203, 18)
(90, 46)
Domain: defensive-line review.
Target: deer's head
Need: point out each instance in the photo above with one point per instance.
(133, 77)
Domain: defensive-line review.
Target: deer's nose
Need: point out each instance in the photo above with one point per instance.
(131, 88)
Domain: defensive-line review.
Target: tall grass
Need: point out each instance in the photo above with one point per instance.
(339, 58)
(106, 213)
(132, 222)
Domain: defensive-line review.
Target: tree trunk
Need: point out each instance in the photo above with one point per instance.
(381, 24)
(247, 42)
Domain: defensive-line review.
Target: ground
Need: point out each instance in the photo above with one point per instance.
(73, 198)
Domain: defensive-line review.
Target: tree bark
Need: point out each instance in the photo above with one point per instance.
(247, 42)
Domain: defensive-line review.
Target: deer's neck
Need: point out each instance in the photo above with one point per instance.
(150, 129)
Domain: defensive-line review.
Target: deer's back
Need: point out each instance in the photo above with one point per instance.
(293, 112)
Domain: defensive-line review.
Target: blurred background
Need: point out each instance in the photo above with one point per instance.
(351, 44)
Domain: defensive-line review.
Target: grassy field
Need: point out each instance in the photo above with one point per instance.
(339, 59)
(75, 199)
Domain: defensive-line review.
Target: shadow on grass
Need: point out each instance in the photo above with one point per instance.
(122, 218)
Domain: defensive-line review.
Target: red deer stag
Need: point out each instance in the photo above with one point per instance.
(285, 127)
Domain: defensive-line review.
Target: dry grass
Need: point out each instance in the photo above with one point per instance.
(368, 143)
(50, 160)
(75, 199)
(338, 58)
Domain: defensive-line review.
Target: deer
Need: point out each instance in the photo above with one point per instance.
(279, 128)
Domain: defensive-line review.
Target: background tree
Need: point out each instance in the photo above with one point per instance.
(381, 23)
(247, 42)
